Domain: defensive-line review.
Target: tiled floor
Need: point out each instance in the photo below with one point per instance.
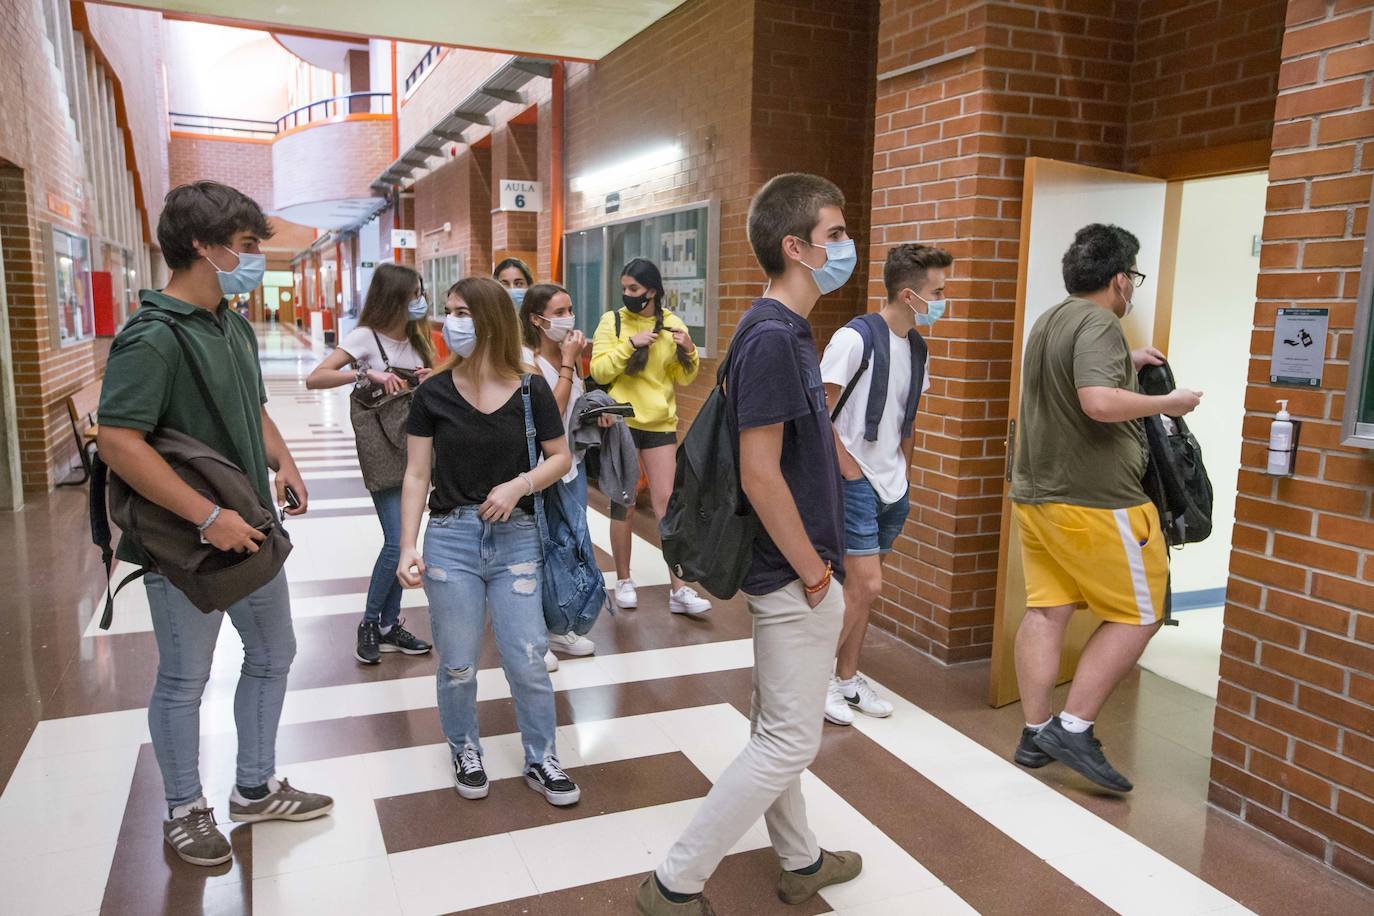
(945, 822)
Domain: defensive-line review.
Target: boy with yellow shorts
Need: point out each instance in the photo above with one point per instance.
(1089, 534)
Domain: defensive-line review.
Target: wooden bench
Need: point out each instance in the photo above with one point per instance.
(82, 406)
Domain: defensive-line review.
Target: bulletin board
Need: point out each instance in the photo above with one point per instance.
(683, 241)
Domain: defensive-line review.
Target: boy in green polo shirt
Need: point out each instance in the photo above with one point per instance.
(210, 236)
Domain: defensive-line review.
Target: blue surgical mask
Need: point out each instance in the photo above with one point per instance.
(935, 310)
(461, 335)
(246, 275)
(840, 260)
(517, 294)
(418, 308)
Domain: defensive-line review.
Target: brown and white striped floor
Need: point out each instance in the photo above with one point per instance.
(946, 823)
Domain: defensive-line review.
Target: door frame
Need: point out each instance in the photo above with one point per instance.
(11, 476)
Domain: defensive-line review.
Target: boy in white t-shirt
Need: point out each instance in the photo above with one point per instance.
(874, 439)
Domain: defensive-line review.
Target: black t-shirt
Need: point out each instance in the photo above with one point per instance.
(475, 451)
(767, 386)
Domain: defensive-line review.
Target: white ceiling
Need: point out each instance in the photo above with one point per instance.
(584, 29)
(325, 53)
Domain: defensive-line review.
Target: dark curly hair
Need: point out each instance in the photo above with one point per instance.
(1098, 253)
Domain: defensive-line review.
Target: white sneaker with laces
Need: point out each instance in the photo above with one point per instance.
(571, 644)
(626, 598)
(860, 695)
(686, 601)
(550, 661)
(836, 706)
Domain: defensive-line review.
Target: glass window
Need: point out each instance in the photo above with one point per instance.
(681, 242)
(1357, 428)
(71, 288)
(439, 274)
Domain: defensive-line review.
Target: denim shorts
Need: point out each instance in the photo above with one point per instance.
(870, 525)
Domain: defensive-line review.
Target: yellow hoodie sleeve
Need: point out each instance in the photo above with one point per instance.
(609, 352)
(676, 371)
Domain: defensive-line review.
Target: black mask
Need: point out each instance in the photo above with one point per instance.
(635, 304)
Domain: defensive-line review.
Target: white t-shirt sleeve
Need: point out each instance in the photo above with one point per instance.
(358, 343)
(842, 357)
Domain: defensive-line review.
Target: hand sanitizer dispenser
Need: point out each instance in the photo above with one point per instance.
(1283, 443)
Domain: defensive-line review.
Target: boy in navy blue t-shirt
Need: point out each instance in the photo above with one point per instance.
(790, 473)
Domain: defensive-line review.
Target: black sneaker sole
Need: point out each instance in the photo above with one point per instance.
(392, 647)
(557, 799)
(1048, 742)
(1032, 760)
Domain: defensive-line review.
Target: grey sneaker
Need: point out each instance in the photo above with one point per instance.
(836, 868)
(1082, 752)
(649, 901)
(1028, 753)
(281, 803)
(194, 837)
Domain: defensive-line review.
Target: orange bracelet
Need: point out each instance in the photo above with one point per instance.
(820, 586)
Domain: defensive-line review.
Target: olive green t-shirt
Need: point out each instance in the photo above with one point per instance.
(148, 385)
(1062, 454)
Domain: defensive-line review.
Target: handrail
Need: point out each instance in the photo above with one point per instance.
(357, 102)
(430, 57)
(218, 123)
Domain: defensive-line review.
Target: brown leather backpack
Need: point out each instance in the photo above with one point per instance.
(212, 579)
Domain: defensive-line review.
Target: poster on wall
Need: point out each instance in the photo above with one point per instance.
(678, 253)
(1299, 347)
(687, 300)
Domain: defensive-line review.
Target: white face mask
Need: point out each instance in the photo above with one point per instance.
(461, 335)
(559, 328)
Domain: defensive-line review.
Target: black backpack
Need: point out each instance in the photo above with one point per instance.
(709, 529)
(1175, 479)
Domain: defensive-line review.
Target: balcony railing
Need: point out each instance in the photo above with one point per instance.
(332, 109)
(417, 74)
(336, 109)
(215, 124)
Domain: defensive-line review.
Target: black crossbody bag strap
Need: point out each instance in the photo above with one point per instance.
(386, 361)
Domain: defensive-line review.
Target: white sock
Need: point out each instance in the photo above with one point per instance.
(846, 683)
(386, 630)
(1072, 724)
(1036, 728)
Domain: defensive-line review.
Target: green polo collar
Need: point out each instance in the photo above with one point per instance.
(171, 303)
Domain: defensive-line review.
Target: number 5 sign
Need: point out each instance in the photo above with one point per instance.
(521, 195)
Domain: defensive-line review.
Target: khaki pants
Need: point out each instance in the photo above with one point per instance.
(794, 651)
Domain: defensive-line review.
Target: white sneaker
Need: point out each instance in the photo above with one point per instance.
(859, 694)
(836, 706)
(626, 598)
(550, 661)
(686, 601)
(571, 644)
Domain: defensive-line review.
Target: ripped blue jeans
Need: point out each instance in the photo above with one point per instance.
(470, 566)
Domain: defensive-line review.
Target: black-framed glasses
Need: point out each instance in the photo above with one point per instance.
(1137, 278)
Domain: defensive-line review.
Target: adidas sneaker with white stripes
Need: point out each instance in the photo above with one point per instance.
(281, 803)
(193, 835)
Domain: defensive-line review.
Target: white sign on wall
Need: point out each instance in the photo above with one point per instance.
(521, 195)
(402, 238)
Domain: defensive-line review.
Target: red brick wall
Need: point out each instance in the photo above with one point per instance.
(1293, 752)
(42, 180)
(1205, 74)
(514, 154)
(758, 107)
(457, 193)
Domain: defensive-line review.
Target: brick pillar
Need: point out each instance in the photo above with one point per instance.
(514, 154)
(1293, 752)
(358, 67)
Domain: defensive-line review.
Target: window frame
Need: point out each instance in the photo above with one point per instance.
(51, 232)
(1358, 431)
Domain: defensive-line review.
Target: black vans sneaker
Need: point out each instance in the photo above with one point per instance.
(369, 650)
(1083, 753)
(469, 778)
(399, 639)
(1028, 754)
(549, 780)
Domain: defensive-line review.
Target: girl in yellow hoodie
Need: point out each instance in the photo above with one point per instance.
(642, 365)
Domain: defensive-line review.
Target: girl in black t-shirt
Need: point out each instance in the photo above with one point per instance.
(482, 545)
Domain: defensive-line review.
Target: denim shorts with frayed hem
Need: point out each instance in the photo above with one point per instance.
(871, 526)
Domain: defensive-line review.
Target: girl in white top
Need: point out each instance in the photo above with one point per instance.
(554, 347)
(393, 330)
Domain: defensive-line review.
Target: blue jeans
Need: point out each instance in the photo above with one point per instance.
(871, 526)
(185, 646)
(384, 593)
(470, 566)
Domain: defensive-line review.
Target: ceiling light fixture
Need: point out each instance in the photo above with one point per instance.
(627, 173)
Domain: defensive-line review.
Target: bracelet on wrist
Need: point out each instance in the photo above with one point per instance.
(820, 586)
(209, 520)
(528, 482)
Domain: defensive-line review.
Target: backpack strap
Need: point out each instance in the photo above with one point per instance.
(617, 324)
(919, 354)
(866, 334)
(102, 538)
